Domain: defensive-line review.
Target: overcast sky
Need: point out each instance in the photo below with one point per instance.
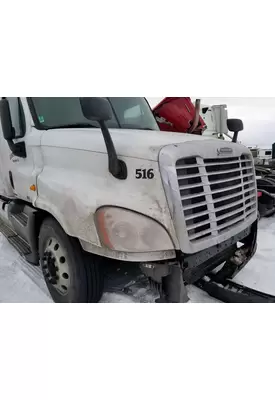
(257, 113)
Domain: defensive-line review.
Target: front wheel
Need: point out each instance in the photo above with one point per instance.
(71, 275)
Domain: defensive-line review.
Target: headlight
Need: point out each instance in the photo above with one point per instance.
(124, 230)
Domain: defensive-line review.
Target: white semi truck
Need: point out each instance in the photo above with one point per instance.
(89, 182)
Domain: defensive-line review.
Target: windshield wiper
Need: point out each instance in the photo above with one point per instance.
(77, 125)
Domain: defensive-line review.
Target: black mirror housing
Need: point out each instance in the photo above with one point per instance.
(96, 108)
(5, 116)
(235, 125)
(18, 149)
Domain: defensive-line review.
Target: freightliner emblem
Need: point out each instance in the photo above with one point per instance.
(224, 151)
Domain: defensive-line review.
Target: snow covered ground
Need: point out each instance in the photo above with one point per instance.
(22, 283)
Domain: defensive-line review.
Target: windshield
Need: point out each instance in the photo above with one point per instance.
(58, 112)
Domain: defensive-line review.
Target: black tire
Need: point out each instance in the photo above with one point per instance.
(86, 275)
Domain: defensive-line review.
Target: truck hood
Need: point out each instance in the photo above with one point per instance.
(128, 143)
(147, 144)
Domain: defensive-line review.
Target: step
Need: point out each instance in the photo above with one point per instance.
(16, 241)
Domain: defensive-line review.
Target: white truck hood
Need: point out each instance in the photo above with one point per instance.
(147, 144)
(128, 143)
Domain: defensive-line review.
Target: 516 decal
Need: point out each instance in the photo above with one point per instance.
(145, 173)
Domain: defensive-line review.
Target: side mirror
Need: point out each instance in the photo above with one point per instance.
(235, 126)
(18, 149)
(96, 108)
(99, 109)
(5, 115)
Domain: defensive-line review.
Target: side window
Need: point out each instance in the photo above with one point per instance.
(268, 153)
(17, 116)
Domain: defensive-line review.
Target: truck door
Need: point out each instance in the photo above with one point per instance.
(20, 174)
(6, 180)
(5, 186)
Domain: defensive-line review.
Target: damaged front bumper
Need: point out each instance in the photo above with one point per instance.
(219, 263)
(234, 253)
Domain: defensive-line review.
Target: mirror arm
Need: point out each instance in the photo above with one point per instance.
(235, 137)
(100, 110)
(117, 167)
(18, 149)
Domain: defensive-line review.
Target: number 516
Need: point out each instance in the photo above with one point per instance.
(145, 173)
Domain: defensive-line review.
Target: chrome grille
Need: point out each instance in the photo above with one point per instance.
(216, 194)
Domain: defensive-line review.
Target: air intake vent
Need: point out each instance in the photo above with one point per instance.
(216, 194)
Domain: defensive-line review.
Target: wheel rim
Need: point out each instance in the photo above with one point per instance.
(55, 267)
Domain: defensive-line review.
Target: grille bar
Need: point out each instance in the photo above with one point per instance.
(227, 171)
(231, 179)
(222, 227)
(201, 214)
(210, 164)
(197, 205)
(240, 185)
(186, 187)
(222, 217)
(183, 187)
(207, 212)
(219, 200)
(215, 192)
(235, 203)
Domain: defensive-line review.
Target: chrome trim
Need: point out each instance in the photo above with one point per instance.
(168, 157)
